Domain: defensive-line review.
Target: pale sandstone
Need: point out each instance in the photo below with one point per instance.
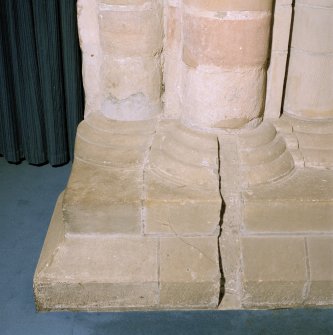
(278, 59)
(281, 27)
(172, 71)
(308, 93)
(321, 270)
(124, 2)
(91, 53)
(181, 183)
(274, 271)
(223, 42)
(189, 272)
(231, 5)
(214, 97)
(98, 200)
(320, 20)
(316, 3)
(131, 33)
(275, 85)
(124, 77)
(99, 274)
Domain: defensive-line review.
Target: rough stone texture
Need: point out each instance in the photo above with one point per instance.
(320, 249)
(231, 5)
(189, 272)
(224, 73)
(181, 183)
(209, 97)
(87, 13)
(276, 232)
(274, 271)
(227, 42)
(109, 156)
(131, 35)
(172, 61)
(138, 224)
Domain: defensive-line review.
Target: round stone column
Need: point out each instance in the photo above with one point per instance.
(225, 49)
(131, 35)
(309, 89)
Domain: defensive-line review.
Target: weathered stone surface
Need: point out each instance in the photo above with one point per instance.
(320, 251)
(181, 183)
(274, 272)
(303, 203)
(88, 29)
(228, 42)
(99, 274)
(172, 71)
(263, 155)
(125, 77)
(189, 272)
(105, 188)
(231, 5)
(222, 99)
(133, 32)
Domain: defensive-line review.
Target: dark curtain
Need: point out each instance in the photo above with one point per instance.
(41, 95)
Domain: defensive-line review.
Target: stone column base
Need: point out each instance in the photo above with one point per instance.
(138, 224)
(277, 232)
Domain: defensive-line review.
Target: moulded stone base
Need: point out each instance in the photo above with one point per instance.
(277, 232)
(130, 231)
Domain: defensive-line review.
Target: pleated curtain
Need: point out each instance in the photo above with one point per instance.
(41, 95)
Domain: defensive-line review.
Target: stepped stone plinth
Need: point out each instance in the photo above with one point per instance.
(189, 102)
(137, 226)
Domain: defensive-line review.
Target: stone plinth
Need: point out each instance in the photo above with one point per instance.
(278, 221)
(138, 224)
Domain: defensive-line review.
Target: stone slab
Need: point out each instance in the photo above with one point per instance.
(189, 272)
(274, 271)
(320, 249)
(91, 273)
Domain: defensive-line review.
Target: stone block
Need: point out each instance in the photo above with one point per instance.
(281, 27)
(189, 272)
(230, 5)
(102, 200)
(221, 98)
(124, 2)
(318, 3)
(316, 38)
(308, 93)
(133, 32)
(181, 183)
(182, 217)
(172, 72)
(226, 41)
(99, 274)
(320, 249)
(288, 215)
(274, 271)
(130, 76)
(301, 204)
(275, 84)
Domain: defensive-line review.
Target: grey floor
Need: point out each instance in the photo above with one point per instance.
(27, 196)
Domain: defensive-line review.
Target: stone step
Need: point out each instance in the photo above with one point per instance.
(93, 273)
(303, 203)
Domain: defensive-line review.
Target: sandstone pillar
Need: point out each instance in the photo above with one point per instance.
(310, 76)
(131, 34)
(225, 48)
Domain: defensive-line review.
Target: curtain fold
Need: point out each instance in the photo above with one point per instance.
(41, 95)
